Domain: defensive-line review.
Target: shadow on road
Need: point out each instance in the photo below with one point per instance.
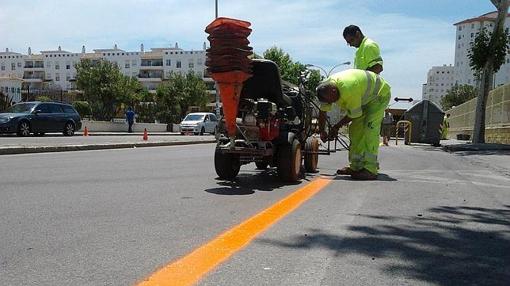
(248, 183)
(444, 246)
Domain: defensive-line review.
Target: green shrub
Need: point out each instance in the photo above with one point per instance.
(83, 108)
(43, 98)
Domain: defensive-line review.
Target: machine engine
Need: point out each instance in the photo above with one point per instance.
(259, 119)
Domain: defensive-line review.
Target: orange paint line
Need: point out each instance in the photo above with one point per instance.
(189, 269)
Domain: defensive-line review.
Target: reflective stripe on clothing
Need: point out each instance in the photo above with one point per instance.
(357, 89)
(371, 94)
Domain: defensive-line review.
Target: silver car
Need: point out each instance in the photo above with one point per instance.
(199, 123)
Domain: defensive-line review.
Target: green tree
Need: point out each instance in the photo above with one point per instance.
(486, 56)
(177, 94)
(457, 95)
(290, 70)
(106, 88)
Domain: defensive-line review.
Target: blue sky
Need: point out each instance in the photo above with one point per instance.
(414, 35)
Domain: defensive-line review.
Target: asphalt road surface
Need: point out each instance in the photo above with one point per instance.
(116, 217)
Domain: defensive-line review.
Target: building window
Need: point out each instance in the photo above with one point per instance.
(13, 66)
(126, 64)
(57, 66)
(57, 77)
(68, 67)
(178, 64)
(199, 61)
(168, 63)
(3, 67)
(133, 63)
(191, 65)
(19, 65)
(68, 77)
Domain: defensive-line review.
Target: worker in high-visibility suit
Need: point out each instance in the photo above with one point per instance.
(368, 56)
(363, 96)
(445, 126)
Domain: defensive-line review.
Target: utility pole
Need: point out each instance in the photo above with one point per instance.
(216, 6)
(487, 73)
(217, 107)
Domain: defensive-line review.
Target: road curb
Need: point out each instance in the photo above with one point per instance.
(47, 149)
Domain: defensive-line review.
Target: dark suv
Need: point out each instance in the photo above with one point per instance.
(39, 118)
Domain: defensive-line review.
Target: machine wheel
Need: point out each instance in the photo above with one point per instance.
(23, 129)
(311, 160)
(289, 161)
(227, 165)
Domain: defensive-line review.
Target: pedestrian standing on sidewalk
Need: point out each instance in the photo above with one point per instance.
(130, 118)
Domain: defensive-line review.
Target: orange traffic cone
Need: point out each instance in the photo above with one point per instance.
(145, 135)
(85, 131)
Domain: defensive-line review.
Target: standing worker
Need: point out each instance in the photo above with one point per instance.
(368, 56)
(364, 96)
(130, 118)
(387, 124)
(445, 126)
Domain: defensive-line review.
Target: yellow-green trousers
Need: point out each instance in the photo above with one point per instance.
(364, 135)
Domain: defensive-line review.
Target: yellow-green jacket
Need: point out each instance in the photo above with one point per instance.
(367, 55)
(357, 89)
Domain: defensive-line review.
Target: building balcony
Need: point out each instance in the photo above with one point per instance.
(150, 79)
(151, 68)
(33, 79)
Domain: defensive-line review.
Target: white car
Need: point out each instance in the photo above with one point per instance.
(199, 123)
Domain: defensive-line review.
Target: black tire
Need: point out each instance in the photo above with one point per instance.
(311, 160)
(227, 165)
(289, 162)
(68, 129)
(23, 129)
(202, 131)
(262, 165)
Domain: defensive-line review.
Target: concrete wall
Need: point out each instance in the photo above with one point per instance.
(497, 124)
(108, 126)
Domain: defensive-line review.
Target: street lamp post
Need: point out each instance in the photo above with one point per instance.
(327, 74)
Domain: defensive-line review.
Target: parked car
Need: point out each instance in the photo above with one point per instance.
(40, 118)
(199, 123)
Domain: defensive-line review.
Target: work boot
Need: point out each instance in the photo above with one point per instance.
(363, 175)
(345, 171)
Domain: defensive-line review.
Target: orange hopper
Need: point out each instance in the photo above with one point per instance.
(230, 85)
(228, 64)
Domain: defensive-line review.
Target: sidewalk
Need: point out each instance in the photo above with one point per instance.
(96, 141)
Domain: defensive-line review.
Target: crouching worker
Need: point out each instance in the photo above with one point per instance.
(363, 96)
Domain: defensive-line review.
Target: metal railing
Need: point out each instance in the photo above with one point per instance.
(408, 126)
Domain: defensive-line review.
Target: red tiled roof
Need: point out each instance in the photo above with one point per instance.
(491, 16)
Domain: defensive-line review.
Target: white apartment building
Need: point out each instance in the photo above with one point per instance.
(466, 33)
(56, 69)
(11, 86)
(440, 79)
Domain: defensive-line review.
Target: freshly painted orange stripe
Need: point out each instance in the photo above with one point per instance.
(191, 268)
